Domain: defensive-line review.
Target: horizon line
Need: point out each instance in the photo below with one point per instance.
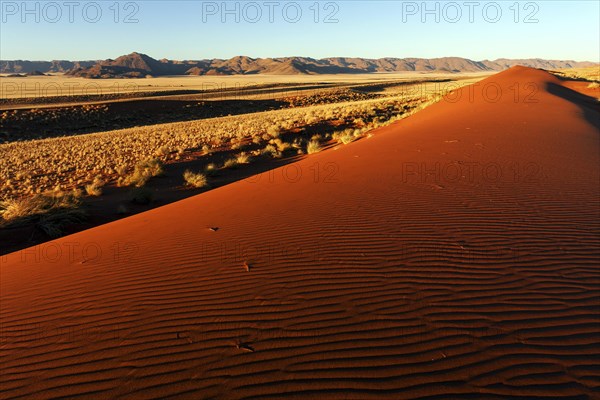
(298, 56)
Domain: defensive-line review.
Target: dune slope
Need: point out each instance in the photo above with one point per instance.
(452, 255)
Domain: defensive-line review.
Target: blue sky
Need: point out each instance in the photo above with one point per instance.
(373, 29)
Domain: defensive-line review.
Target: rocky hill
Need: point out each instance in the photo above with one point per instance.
(138, 65)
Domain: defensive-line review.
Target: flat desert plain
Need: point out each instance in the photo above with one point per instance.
(59, 85)
(452, 254)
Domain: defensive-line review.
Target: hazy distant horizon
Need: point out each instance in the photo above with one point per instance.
(291, 56)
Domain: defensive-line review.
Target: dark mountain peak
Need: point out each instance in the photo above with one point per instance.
(135, 61)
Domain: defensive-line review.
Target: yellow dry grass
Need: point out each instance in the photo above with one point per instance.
(114, 157)
(31, 167)
(63, 85)
(588, 73)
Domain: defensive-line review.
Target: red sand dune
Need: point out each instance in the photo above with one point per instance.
(452, 255)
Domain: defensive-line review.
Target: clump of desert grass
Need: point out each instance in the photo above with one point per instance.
(313, 147)
(281, 146)
(197, 180)
(231, 163)
(272, 151)
(50, 212)
(95, 188)
(235, 162)
(243, 158)
(347, 136)
(594, 85)
(143, 171)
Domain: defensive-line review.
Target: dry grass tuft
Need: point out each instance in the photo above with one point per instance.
(313, 147)
(349, 135)
(196, 180)
(231, 163)
(243, 158)
(272, 151)
(95, 188)
(144, 171)
(50, 211)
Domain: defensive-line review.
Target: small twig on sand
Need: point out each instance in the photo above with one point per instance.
(245, 347)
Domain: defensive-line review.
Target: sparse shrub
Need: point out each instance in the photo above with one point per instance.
(347, 137)
(282, 146)
(154, 167)
(144, 171)
(196, 180)
(231, 163)
(95, 188)
(243, 158)
(50, 212)
(313, 147)
(271, 151)
(13, 209)
(594, 85)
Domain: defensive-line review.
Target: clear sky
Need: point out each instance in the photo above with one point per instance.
(87, 30)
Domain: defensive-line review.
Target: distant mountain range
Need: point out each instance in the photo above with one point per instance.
(137, 65)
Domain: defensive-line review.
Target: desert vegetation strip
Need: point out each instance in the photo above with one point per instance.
(32, 121)
(27, 168)
(589, 74)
